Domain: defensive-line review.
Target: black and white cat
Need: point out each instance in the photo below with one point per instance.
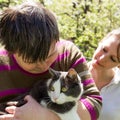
(60, 93)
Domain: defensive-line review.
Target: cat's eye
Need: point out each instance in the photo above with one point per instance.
(64, 89)
(52, 89)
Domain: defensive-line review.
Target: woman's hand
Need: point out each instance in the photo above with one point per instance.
(30, 111)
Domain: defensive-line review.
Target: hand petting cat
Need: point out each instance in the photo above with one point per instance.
(29, 111)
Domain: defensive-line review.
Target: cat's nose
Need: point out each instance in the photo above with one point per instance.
(55, 99)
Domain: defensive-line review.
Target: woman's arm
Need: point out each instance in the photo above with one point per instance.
(83, 112)
(91, 101)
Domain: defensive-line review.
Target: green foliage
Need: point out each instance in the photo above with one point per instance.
(85, 22)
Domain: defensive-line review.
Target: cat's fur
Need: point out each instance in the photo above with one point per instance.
(60, 94)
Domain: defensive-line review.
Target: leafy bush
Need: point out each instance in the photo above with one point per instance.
(85, 22)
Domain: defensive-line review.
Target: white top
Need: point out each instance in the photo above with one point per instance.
(111, 99)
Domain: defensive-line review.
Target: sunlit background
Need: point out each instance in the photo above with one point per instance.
(84, 22)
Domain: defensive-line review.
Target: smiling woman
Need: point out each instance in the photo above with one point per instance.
(106, 54)
(106, 73)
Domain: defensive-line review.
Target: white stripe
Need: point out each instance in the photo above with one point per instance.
(84, 73)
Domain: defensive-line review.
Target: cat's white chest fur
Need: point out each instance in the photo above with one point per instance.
(71, 115)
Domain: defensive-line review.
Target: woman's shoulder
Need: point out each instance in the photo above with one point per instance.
(116, 70)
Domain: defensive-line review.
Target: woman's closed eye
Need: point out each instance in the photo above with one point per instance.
(113, 58)
(104, 49)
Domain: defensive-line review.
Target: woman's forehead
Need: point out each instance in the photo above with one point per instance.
(113, 39)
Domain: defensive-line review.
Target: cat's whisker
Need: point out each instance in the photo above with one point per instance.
(49, 103)
(47, 97)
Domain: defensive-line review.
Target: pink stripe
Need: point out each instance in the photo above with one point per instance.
(3, 52)
(62, 56)
(90, 108)
(96, 96)
(12, 92)
(25, 72)
(87, 81)
(79, 61)
(7, 67)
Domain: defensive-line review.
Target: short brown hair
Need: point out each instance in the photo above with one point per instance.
(28, 29)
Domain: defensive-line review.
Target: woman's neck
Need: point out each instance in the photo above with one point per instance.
(103, 77)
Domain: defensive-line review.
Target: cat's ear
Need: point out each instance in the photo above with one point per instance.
(72, 74)
(52, 72)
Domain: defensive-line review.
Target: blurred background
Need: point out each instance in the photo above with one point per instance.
(84, 22)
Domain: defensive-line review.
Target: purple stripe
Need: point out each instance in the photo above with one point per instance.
(90, 108)
(7, 67)
(79, 61)
(62, 56)
(25, 72)
(96, 96)
(3, 52)
(87, 81)
(12, 91)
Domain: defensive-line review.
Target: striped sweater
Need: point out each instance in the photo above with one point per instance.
(14, 80)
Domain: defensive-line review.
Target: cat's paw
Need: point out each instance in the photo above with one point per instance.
(43, 103)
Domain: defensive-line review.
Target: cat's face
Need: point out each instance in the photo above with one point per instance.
(64, 86)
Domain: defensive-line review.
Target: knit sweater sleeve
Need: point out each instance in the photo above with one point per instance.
(91, 97)
(73, 58)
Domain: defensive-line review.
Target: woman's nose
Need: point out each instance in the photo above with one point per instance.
(102, 57)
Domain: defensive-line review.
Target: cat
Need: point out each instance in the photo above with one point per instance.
(60, 94)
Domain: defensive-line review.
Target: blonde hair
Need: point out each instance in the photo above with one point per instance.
(116, 33)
